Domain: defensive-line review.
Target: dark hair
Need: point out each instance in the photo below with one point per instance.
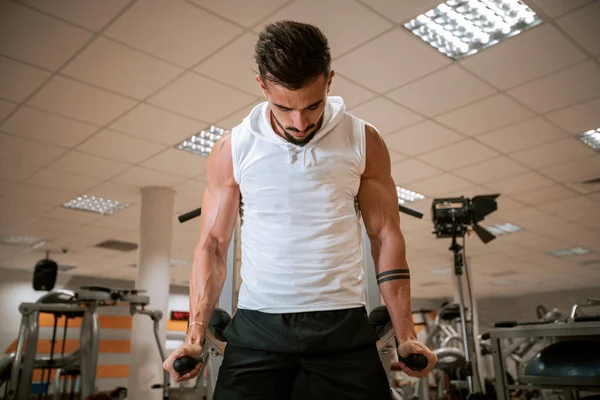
(292, 54)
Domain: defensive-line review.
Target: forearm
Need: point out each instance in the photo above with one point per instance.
(206, 284)
(389, 255)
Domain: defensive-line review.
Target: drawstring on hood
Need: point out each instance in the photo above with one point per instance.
(258, 122)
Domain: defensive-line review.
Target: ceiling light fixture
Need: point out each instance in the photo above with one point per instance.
(460, 28)
(97, 205)
(25, 241)
(407, 196)
(503, 229)
(203, 142)
(591, 138)
(573, 251)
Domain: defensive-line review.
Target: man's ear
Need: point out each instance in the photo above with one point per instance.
(261, 83)
(329, 80)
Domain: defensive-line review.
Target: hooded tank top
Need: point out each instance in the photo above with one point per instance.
(301, 235)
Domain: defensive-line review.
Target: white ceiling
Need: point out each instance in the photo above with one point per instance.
(94, 96)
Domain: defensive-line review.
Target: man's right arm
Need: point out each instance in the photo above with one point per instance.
(220, 206)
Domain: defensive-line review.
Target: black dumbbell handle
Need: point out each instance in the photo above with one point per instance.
(184, 365)
(416, 362)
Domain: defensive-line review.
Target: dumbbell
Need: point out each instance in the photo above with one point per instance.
(416, 362)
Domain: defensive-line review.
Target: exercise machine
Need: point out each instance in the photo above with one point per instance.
(16, 370)
(569, 361)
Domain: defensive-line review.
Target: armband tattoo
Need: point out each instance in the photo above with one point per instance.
(393, 275)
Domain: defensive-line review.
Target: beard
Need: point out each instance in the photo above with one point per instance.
(312, 129)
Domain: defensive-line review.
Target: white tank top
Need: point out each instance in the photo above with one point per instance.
(301, 234)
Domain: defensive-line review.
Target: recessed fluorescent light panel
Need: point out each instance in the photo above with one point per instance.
(176, 263)
(460, 28)
(97, 205)
(407, 196)
(574, 251)
(591, 138)
(25, 241)
(203, 142)
(503, 229)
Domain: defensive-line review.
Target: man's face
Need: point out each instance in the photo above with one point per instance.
(296, 114)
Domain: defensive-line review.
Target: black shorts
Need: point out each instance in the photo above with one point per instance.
(324, 355)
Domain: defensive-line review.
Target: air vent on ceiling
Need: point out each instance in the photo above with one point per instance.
(504, 273)
(589, 263)
(589, 186)
(118, 245)
(430, 283)
(65, 268)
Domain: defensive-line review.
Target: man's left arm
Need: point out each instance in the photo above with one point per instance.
(378, 200)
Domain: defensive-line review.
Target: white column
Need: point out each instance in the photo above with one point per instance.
(154, 258)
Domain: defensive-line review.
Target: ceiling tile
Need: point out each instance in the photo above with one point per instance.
(191, 189)
(236, 118)
(142, 177)
(178, 162)
(485, 115)
(116, 191)
(564, 88)
(582, 25)
(62, 181)
(6, 107)
(234, 65)
(522, 135)
(19, 80)
(73, 99)
(15, 170)
(120, 69)
(579, 118)
(385, 115)
(401, 11)
(394, 155)
(491, 170)
(6, 186)
(392, 68)
(568, 205)
(365, 24)
(118, 222)
(185, 204)
(65, 214)
(45, 224)
(442, 91)
(517, 215)
(88, 165)
(421, 138)
(28, 193)
(575, 171)
(23, 150)
(92, 16)
(553, 153)
(352, 93)
(243, 13)
(524, 57)
(458, 155)
(36, 38)
(118, 146)
(172, 31)
(520, 183)
(556, 8)
(544, 195)
(49, 128)
(201, 98)
(440, 185)
(151, 123)
(412, 170)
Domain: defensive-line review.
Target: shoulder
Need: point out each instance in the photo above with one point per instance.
(220, 162)
(377, 155)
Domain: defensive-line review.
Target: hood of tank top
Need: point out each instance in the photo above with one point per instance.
(258, 122)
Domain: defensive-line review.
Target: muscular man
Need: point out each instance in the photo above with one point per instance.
(302, 172)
